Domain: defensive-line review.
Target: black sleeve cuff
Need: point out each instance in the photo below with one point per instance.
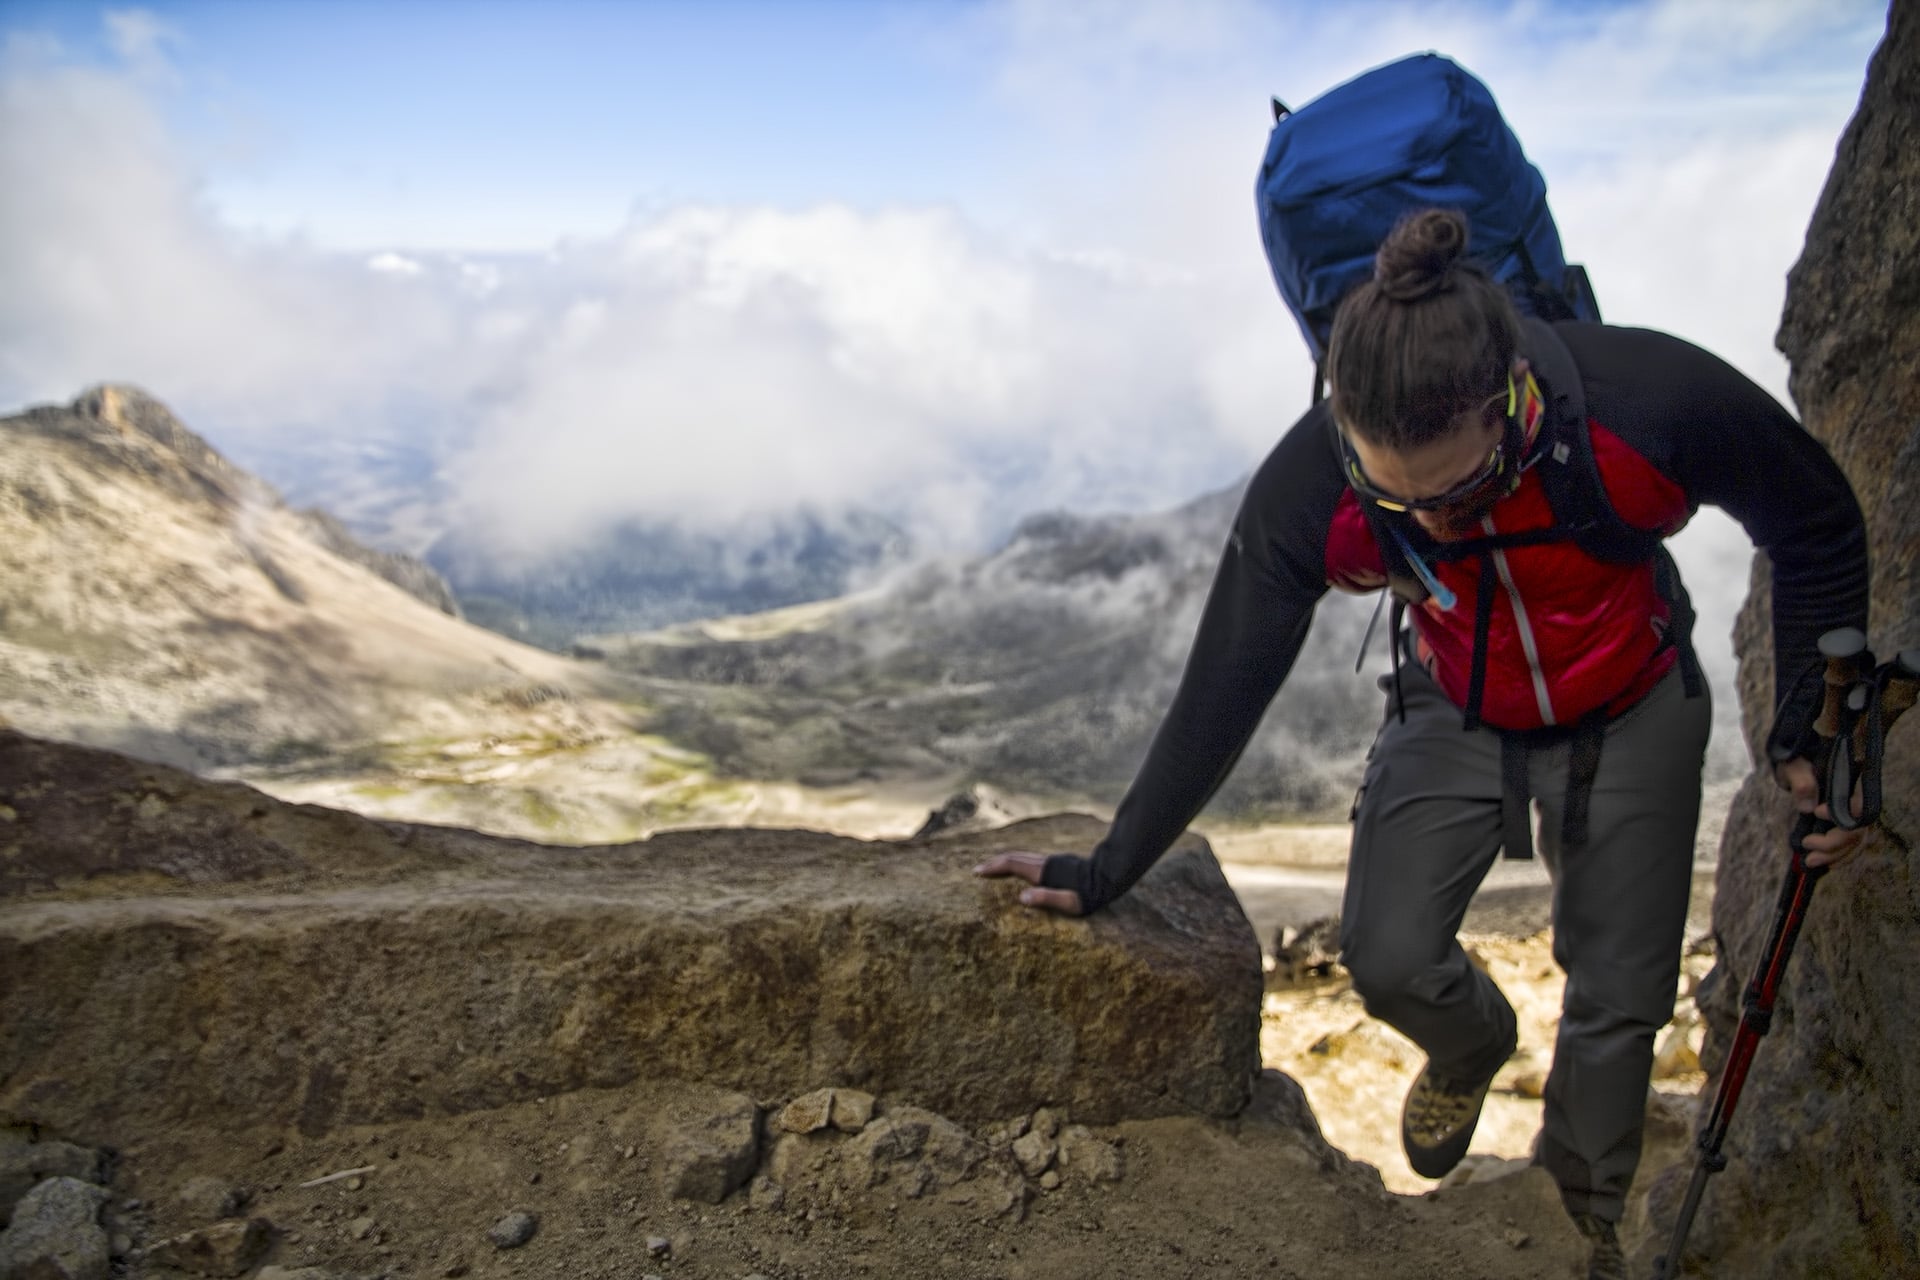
(1075, 872)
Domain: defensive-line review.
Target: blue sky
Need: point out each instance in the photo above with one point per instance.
(710, 261)
(493, 125)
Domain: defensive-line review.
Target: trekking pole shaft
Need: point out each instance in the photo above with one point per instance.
(1763, 991)
(1665, 1267)
(1846, 654)
(1756, 1019)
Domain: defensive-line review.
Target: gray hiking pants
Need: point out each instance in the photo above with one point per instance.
(1426, 832)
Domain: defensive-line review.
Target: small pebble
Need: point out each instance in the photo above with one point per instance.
(659, 1246)
(513, 1230)
(355, 1183)
(360, 1228)
(1515, 1238)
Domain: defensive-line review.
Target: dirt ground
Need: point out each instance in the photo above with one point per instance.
(1196, 1198)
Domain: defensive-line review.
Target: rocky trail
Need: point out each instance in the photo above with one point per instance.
(251, 1039)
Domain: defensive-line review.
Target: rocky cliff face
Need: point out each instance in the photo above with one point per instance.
(1825, 1145)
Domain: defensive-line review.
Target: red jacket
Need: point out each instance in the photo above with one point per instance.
(1569, 633)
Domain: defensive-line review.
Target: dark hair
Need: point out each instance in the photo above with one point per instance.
(1431, 336)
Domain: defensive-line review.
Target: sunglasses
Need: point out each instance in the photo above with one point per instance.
(1499, 461)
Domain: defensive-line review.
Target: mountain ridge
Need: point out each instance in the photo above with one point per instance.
(159, 599)
(165, 602)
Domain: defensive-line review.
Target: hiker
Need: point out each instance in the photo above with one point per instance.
(1534, 668)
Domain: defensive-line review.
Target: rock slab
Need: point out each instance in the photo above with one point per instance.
(325, 970)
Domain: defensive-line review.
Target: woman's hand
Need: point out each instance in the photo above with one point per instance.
(1028, 866)
(1830, 848)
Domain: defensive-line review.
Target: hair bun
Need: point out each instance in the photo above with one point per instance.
(1418, 257)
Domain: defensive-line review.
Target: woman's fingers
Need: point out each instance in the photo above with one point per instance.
(1064, 901)
(1796, 775)
(1834, 846)
(1027, 866)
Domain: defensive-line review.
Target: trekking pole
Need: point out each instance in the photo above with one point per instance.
(1859, 704)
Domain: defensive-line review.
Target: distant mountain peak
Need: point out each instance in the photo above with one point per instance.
(117, 432)
(128, 408)
(123, 425)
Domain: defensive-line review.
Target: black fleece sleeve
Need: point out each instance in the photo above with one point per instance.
(1730, 444)
(1271, 574)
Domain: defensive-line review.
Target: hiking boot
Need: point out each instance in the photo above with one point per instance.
(1606, 1262)
(1436, 1124)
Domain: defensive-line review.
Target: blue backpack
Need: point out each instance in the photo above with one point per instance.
(1417, 133)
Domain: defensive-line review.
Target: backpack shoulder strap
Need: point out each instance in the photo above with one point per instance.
(1568, 469)
(1579, 499)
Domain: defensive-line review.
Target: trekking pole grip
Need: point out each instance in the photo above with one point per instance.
(1845, 649)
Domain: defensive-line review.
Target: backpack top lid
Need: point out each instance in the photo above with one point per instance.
(1418, 133)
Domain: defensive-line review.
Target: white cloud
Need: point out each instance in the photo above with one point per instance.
(394, 264)
(117, 271)
(1107, 336)
(142, 41)
(731, 362)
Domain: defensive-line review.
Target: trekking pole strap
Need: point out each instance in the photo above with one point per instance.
(1792, 732)
(1890, 693)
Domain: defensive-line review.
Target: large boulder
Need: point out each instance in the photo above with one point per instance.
(178, 950)
(1824, 1147)
(56, 1233)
